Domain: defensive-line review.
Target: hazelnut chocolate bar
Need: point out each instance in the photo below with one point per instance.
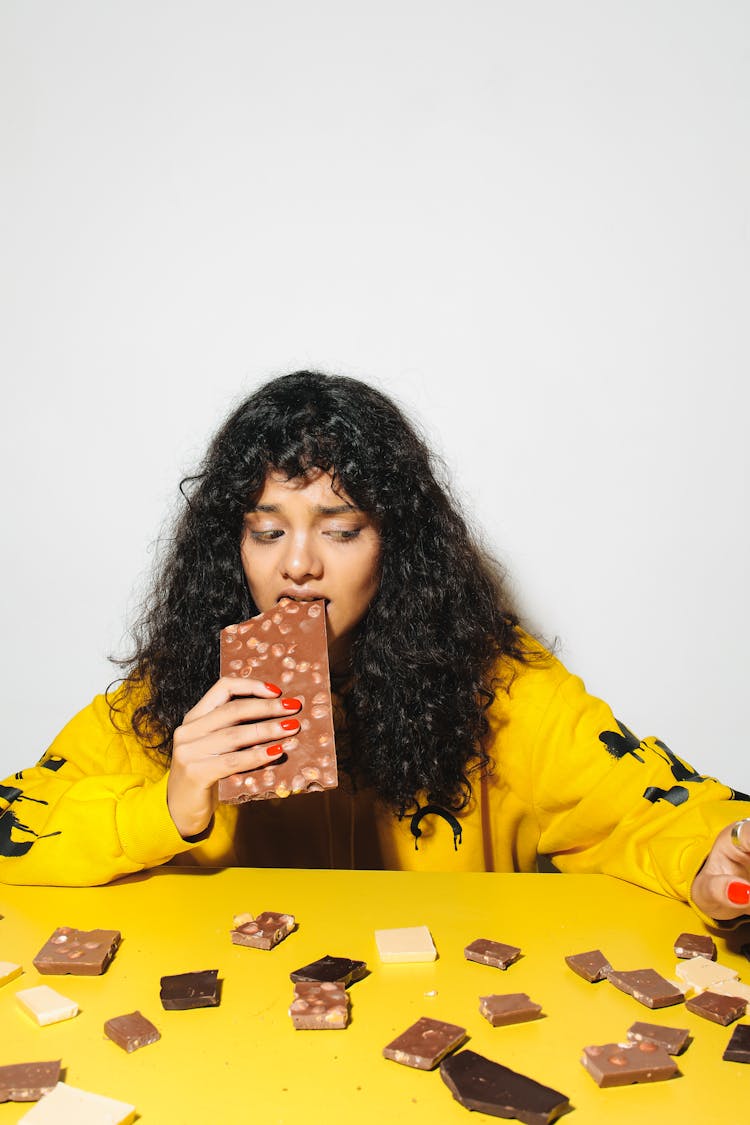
(338, 970)
(513, 1007)
(263, 932)
(493, 953)
(425, 1043)
(131, 1031)
(672, 1039)
(717, 1008)
(319, 1006)
(190, 990)
(79, 952)
(621, 1064)
(592, 966)
(738, 1047)
(695, 945)
(647, 987)
(26, 1082)
(479, 1083)
(288, 647)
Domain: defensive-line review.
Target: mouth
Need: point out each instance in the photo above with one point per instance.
(288, 596)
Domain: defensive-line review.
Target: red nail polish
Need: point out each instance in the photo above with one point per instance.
(291, 704)
(272, 687)
(289, 724)
(739, 893)
(272, 751)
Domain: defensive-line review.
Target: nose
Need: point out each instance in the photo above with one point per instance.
(301, 561)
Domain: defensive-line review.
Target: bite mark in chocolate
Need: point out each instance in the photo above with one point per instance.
(647, 987)
(319, 1006)
(77, 952)
(287, 646)
(339, 970)
(494, 953)
(513, 1007)
(131, 1031)
(479, 1083)
(183, 991)
(717, 1008)
(621, 1064)
(593, 966)
(26, 1082)
(425, 1043)
(263, 932)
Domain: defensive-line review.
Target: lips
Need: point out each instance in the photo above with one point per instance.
(292, 596)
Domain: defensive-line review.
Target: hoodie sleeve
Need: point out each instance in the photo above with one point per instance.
(92, 809)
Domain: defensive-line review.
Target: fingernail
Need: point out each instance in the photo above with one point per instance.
(272, 687)
(739, 893)
(272, 751)
(289, 724)
(291, 704)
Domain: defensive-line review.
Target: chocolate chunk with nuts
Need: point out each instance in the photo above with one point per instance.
(190, 990)
(79, 952)
(592, 966)
(319, 1006)
(26, 1082)
(738, 1047)
(131, 1031)
(340, 970)
(494, 953)
(717, 1008)
(425, 1043)
(287, 646)
(695, 945)
(263, 932)
(621, 1064)
(513, 1007)
(647, 987)
(672, 1039)
(479, 1083)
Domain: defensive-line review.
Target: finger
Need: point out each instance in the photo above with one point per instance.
(234, 713)
(737, 891)
(228, 739)
(739, 836)
(231, 687)
(205, 772)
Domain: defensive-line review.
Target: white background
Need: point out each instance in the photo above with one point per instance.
(528, 221)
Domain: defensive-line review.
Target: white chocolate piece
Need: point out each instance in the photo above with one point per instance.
(732, 988)
(67, 1105)
(46, 1005)
(9, 971)
(410, 943)
(698, 973)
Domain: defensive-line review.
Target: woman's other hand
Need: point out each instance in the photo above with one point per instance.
(721, 888)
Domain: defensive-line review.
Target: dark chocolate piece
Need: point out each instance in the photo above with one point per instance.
(513, 1007)
(131, 1031)
(84, 953)
(26, 1082)
(592, 966)
(672, 1039)
(190, 990)
(621, 1064)
(319, 1006)
(738, 1047)
(425, 1043)
(339, 970)
(695, 945)
(717, 1008)
(287, 646)
(479, 1083)
(263, 932)
(493, 953)
(647, 987)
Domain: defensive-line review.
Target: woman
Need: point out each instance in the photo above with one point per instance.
(462, 743)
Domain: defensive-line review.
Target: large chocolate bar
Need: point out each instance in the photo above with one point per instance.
(338, 970)
(286, 646)
(481, 1084)
(593, 966)
(425, 1043)
(131, 1031)
(647, 986)
(263, 932)
(190, 990)
(319, 1006)
(26, 1082)
(80, 952)
(621, 1064)
(672, 1039)
(738, 1047)
(717, 1008)
(493, 953)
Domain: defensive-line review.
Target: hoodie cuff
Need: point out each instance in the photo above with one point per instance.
(148, 835)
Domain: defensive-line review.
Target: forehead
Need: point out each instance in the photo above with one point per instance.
(314, 487)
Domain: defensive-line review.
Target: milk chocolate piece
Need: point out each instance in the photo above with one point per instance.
(425, 1043)
(26, 1082)
(190, 990)
(288, 647)
(647, 987)
(319, 1006)
(265, 931)
(339, 970)
(592, 966)
(83, 953)
(621, 1064)
(738, 1047)
(131, 1031)
(717, 1008)
(513, 1007)
(695, 945)
(479, 1083)
(493, 953)
(672, 1039)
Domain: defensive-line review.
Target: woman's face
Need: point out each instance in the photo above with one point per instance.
(303, 540)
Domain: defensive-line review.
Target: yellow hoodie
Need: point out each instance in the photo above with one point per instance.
(569, 783)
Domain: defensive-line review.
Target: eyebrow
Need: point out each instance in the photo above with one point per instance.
(319, 509)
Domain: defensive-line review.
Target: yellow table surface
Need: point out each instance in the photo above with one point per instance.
(244, 1061)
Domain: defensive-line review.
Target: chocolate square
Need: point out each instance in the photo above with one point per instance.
(738, 1047)
(494, 953)
(717, 1008)
(592, 966)
(319, 1006)
(513, 1007)
(672, 1039)
(425, 1043)
(27, 1082)
(695, 945)
(265, 931)
(479, 1083)
(647, 987)
(131, 1031)
(77, 952)
(190, 990)
(339, 970)
(621, 1064)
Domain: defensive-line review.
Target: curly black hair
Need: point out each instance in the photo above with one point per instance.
(438, 640)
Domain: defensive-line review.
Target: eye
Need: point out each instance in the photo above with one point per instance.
(266, 536)
(343, 535)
